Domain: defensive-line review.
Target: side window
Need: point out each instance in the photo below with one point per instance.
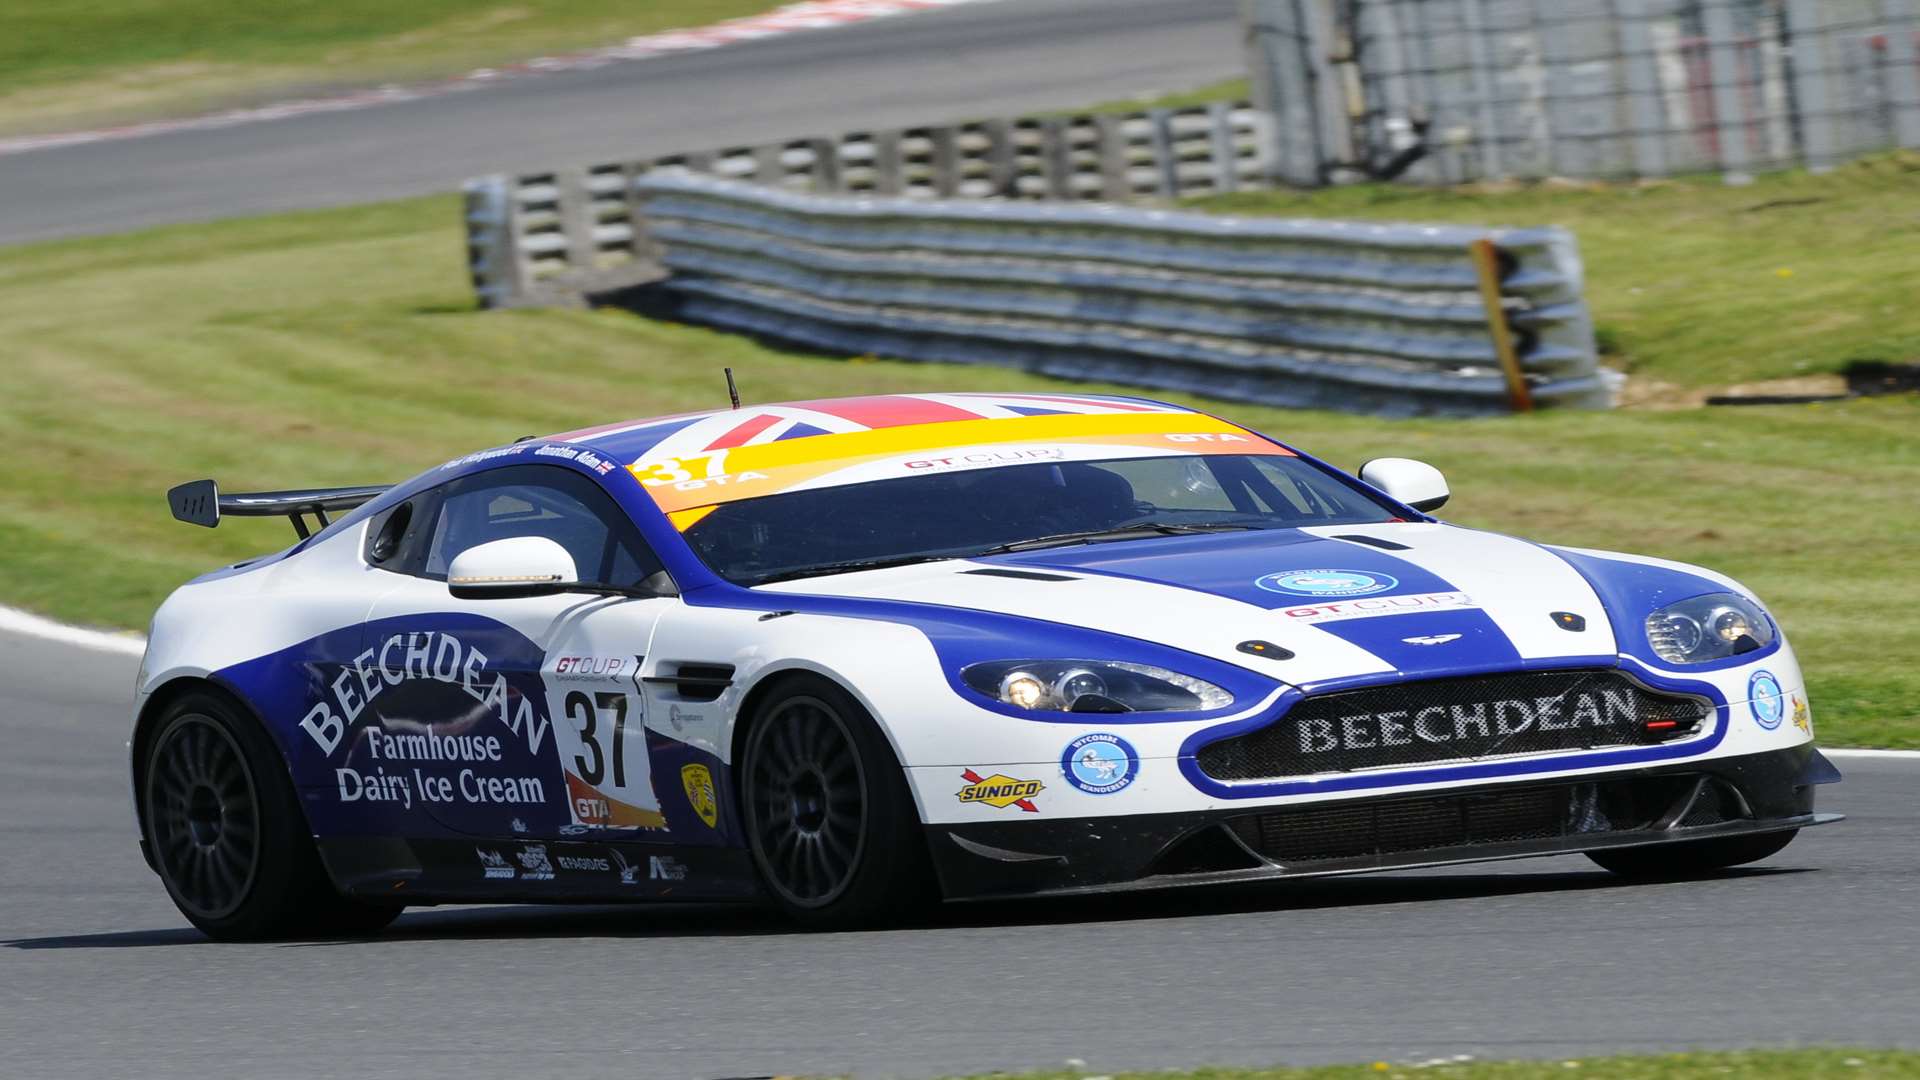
(539, 500)
(1292, 490)
(1283, 495)
(397, 537)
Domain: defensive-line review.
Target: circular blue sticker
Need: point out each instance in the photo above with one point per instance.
(1765, 698)
(1327, 583)
(1100, 764)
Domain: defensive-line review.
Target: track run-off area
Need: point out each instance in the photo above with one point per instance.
(99, 976)
(970, 61)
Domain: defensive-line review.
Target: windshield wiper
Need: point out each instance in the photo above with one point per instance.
(1145, 530)
(851, 566)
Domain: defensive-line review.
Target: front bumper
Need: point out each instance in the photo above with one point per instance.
(1756, 793)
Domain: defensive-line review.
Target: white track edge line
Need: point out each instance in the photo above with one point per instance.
(27, 624)
(129, 643)
(804, 16)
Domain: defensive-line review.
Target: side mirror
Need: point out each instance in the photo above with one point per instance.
(516, 566)
(1415, 483)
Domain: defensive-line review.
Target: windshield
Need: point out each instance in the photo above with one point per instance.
(1019, 507)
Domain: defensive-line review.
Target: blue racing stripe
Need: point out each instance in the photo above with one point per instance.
(1233, 565)
(1430, 643)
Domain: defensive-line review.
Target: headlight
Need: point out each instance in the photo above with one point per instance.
(1092, 686)
(1711, 627)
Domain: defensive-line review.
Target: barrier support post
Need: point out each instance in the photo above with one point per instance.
(1486, 262)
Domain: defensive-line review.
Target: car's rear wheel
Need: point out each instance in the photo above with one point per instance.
(1691, 858)
(227, 834)
(830, 822)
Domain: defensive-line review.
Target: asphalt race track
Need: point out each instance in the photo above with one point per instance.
(958, 63)
(100, 977)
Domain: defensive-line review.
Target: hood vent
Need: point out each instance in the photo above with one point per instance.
(1372, 541)
(1022, 575)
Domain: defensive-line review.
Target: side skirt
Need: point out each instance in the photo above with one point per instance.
(522, 870)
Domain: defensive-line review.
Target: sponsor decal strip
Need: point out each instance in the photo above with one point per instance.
(745, 472)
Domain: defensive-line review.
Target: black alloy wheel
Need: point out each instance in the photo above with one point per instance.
(831, 825)
(809, 801)
(227, 833)
(205, 815)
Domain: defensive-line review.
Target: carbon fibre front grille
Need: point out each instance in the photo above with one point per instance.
(1417, 723)
(1390, 828)
(1376, 828)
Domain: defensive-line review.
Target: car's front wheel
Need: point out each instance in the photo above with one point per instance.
(1691, 858)
(830, 822)
(227, 833)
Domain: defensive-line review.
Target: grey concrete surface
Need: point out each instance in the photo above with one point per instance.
(952, 64)
(100, 977)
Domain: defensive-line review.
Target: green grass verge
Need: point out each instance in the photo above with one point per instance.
(1696, 283)
(342, 346)
(1226, 90)
(65, 64)
(1742, 1065)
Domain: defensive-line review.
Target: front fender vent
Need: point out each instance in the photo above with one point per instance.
(694, 681)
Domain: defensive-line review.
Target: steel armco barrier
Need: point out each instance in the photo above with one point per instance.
(1379, 318)
(574, 223)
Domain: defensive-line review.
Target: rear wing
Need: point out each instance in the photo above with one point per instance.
(200, 502)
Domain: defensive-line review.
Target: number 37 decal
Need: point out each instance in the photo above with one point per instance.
(609, 781)
(585, 712)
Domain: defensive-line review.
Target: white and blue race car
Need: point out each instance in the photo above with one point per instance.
(843, 655)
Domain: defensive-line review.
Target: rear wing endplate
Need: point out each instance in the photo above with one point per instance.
(201, 503)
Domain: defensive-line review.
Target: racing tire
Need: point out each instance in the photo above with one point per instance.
(227, 834)
(1691, 858)
(830, 823)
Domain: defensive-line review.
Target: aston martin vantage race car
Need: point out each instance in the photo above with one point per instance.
(844, 655)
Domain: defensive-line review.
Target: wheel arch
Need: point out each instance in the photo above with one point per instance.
(770, 679)
(159, 700)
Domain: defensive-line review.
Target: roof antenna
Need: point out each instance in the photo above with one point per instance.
(733, 392)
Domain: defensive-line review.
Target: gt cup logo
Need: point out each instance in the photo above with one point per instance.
(1100, 764)
(1327, 583)
(1765, 698)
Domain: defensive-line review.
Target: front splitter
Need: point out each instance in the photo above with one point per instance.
(1155, 851)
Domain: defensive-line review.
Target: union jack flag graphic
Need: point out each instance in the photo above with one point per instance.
(707, 433)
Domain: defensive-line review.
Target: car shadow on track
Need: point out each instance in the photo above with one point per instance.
(461, 923)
